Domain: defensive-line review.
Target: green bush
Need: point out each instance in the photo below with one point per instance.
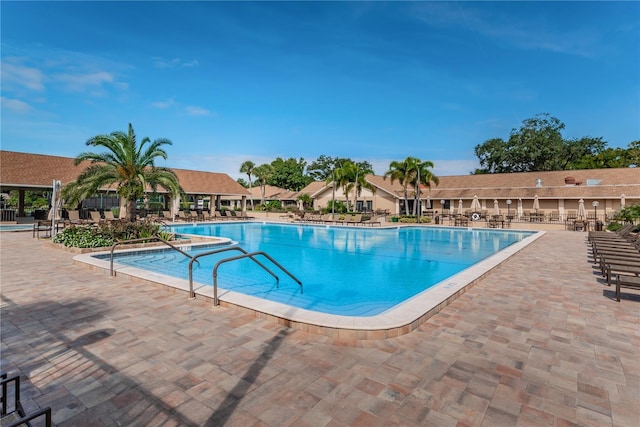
(338, 207)
(107, 233)
(614, 226)
(83, 236)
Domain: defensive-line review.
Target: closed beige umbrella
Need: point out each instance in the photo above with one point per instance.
(460, 207)
(582, 214)
(475, 205)
(496, 207)
(536, 203)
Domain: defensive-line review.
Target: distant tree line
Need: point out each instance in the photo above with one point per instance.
(338, 172)
(539, 146)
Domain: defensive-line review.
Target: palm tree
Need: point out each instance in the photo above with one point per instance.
(127, 164)
(263, 173)
(344, 177)
(401, 172)
(423, 175)
(354, 174)
(247, 167)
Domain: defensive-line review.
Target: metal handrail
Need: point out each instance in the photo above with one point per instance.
(145, 239)
(216, 301)
(216, 251)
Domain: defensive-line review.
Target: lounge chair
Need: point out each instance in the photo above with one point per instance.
(74, 217)
(95, 217)
(626, 281)
(182, 216)
(354, 219)
(327, 218)
(108, 216)
(217, 215)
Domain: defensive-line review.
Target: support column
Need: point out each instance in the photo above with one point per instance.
(21, 203)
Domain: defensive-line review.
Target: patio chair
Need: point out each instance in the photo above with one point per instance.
(183, 216)
(95, 217)
(354, 219)
(626, 281)
(73, 217)
(108, 216)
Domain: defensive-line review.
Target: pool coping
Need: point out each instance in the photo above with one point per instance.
(398, 320)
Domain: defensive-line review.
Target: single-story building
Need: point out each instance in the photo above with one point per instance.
(37, 172)
(600, 191)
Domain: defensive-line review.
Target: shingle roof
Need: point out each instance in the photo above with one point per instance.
(26, 170)
(589, 183)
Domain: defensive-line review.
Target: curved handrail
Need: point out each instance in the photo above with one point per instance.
(216, 251)
(216, 301)
(144, 239)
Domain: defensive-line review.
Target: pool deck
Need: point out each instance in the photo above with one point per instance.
(540, 340)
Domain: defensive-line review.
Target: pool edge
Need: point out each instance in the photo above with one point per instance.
(397, 321)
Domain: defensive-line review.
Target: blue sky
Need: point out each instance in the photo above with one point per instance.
(379, 81)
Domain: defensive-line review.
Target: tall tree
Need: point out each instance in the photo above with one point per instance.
(322, 168)
(247, 167)
(263, 174)
(289, 174)
(633, 154)
(537, 146)
(355, 174)
(401, 171)
(127, 164)
(423, 175)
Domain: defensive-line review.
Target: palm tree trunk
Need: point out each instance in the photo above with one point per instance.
(406, 201)
(250, 188)
(131, 210)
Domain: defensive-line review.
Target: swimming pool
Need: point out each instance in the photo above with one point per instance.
(16, 227)
(345, 271)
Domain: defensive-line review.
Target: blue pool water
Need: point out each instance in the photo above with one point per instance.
(17, 227)
(345, 271)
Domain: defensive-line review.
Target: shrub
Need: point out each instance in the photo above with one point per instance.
(83, 236)
(108, 233)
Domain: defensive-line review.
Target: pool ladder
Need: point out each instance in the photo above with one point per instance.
(194, 258)
(245, 254)
(142, 240)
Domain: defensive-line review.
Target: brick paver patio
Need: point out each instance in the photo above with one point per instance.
(539, 341)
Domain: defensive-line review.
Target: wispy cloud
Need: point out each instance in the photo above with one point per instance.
(528, 32)
(15, 105)
(163, 104)
(197, 111)
(16, 74)
(173, 63)
(83, 82)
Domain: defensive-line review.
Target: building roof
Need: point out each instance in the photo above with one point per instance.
(572, 184)
(37, 171)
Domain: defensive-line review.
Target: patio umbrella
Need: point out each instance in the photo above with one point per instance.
(55, 213)
(536, 203)
(581, 212)
(428, 206)
(622, 201)
(496, 207)
(520, 211)
(175, 207)
(460, 208)
(475, 204)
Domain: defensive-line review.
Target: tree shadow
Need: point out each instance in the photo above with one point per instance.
(34, 339)
(226, 408)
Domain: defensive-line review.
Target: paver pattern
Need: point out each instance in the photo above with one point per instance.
(539, 341)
